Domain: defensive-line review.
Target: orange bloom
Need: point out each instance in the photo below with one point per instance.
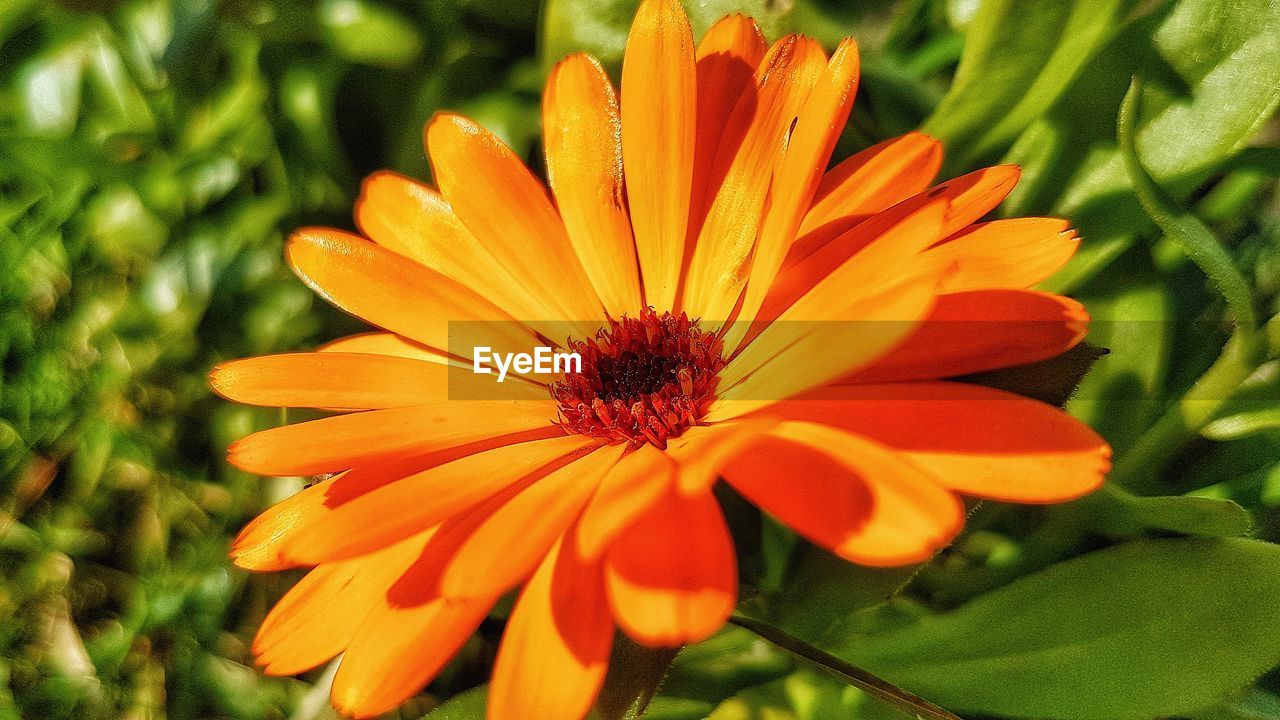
(700, 193)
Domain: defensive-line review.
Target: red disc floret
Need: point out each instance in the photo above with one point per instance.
(643, 379)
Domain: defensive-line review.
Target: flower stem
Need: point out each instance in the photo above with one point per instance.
(856, 676)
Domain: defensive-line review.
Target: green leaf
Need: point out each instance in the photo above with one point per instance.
(469, 705)
(729, 661)
(363, 32)
(1131, 308)
(1151, 628)
(1213, 74)
(1119, 513)
(824, 592)
(1019, 57)
(1182, 226)
(1254, 408)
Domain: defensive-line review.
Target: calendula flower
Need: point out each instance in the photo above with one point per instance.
(698, 197)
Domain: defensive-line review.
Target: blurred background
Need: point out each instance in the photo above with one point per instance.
(154, 153)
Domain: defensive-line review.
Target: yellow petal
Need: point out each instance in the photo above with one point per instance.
(582, 137)
(727, 58)
(814, 136)
(507, 545)
(414, 220)
(659, 102)
(555, 648)
(510, 213)
(719, 264)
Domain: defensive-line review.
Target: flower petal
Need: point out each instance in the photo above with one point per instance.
(405, 640)
(365, 516)
(350, 381)
(810, 142)
(718, 267)
(414, 220)
(510, 213)
(337, 443)
(973, 439)
(633, 485)
(659, 103)
(858, 263)
(382, 343)
(866, 183)
(791, 357)
(507, 545)
(582, 137)
(830, 329)
(968, 198)
(318, 617)
(848, 494)
(727, 58)
(702, 451)
(976, 194)
(555, 648)
(1014, 253)
(398, 294)
(978, 330)
(672, 576)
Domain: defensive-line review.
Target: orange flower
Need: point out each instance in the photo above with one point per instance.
(702, 194)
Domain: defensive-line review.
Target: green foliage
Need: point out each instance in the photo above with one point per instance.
(155, 153)
(1100, 637)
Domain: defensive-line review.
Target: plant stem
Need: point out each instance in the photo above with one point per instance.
(856, 676)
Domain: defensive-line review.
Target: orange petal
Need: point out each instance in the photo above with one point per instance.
(336, 443)
(790, 358)
(719, 265)
(1015, 253)
(727, 58)
(968, 198)
(259, 544)
(404, 641)
(414, 220)
(507, 545)
(672, 576)
(659, 103)
(398, 294)
(510, 213)
(380, 343)
(866, 183)
(973, 439)
(852, 496)
(859, 262)
(555, 648)
(361, 519)
(977, 194)
(849, 317)
(582, 135)
(633, 485)
(813, 137)
(350, 381)
(316, 619)
(978, 330)
(702, 450)
(265, 543)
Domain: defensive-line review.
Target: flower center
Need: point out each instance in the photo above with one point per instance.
(643, 379)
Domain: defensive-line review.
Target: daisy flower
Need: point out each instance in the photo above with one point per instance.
(740, 313)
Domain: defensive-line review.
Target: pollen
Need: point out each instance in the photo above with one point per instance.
(643, 379)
